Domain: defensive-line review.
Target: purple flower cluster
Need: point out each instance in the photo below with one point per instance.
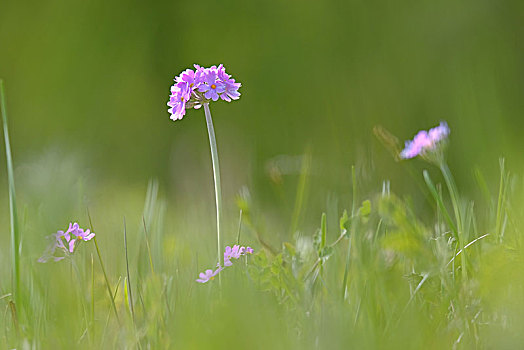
(65, 242)
(193, 88)
(425, 141)
(234, 252)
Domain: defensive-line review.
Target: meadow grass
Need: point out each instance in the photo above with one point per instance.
(390, 277)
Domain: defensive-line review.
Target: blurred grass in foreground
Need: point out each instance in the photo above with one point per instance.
(404, 286)
(88, 83)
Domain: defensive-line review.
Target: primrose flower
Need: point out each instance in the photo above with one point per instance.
(231, 253)
(212, 86)
(193, 88)
(208, 275)
(65, 242)
(426, 142)
(234, 252)
(231, 88)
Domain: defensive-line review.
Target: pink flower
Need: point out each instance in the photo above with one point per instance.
(208, 275)
(234, 252)
(426, 141)
(65, 242)
(192, 88)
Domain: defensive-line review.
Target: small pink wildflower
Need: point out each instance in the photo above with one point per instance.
(425, 142)
(208, 275)
(192, 88)
(65, 242)
(234, 252)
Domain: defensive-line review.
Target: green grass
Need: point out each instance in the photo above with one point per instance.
(13, 211)
(390, 275)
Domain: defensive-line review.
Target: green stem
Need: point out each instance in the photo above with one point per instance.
(438, 198)
(93, 295)
(216, 176)
(13, 213)
(239, 227)
(500, 201)
(104, 270)
(453, 192)
(130, 293)
(353, 230)
(81, 296)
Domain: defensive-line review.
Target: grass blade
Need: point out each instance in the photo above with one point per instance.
(148, 246)
(440, 203)
(113, 296)
(353, 221)
(131, 307)
(466, 246)
(503, 187)
(301, 191)
(103, 269)
(129, 293)
(13, 213)
(93, 295)
(239, 227)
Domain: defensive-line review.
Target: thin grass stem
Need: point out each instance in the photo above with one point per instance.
(353, 221)
(148, 246)
(113, 296)
(301, 191)
(13, 213)
(103, 269)
(81, 296)
(93, 295)
(129, 288)
(466, 246)
(130, 300)
(453, 191)
(438, 198)
(239, 227)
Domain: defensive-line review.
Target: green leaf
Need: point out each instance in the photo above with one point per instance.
(365, 210)
(326, 252)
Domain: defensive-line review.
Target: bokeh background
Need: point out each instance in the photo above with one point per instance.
(88, 81)
(87, 85)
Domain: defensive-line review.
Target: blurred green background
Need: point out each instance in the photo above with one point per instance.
(87, 85)
(88, 81)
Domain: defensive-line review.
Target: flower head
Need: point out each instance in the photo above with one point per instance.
(212, 85)
(426, 142)
(178, 99)
(234, 252)
(64, 243)
(230, 87)
(208, 275)
(192, 88)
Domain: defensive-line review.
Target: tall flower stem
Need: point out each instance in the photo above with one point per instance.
(216, 176)
(453, 192)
